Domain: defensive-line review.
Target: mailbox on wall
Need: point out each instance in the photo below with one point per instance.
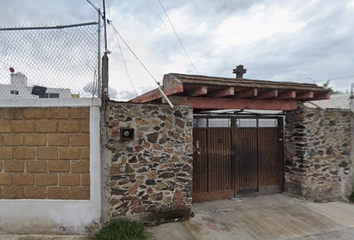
(127, 134)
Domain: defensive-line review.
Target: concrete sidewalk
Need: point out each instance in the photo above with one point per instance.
(43, 237)
(266, 217)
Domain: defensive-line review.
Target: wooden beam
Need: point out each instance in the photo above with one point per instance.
(222, 93)
(247, 93)
(170, 86)
(232, 103)
(198, 91)
(322, 96)
(176, 100)
(305, 96)
(268, 94)
(287, 95)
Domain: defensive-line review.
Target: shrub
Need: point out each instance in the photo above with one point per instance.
(123, 230)
(351, 197)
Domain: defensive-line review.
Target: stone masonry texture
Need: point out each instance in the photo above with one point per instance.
(151, 174)
(44, 153)
(317, 154)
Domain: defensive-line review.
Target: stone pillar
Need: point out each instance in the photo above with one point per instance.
(150, 175)
(318, 164)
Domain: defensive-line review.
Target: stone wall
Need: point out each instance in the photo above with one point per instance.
(150, 176)
(44, 153)
(318, 163)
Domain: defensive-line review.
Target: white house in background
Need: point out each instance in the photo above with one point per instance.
(19, 89)
(341, 101)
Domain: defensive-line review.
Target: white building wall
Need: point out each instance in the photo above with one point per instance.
(24, 92)
(19, 83)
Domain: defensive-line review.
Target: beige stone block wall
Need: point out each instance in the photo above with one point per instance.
(44, 153)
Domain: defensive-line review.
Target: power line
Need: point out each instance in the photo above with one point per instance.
(93, 5)
(344, 77)
(125, 65)
(105, 26)
(162, 21)
(178, 36)
(49, 27)
(332, 79)
(126, 44)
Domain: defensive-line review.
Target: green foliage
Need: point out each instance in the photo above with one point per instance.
(123, 230)
(351, 197)
(326, 85)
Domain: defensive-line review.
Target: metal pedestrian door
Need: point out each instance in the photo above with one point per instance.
(236, 156)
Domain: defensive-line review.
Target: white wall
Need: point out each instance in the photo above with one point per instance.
(58, 216)
(25, 92)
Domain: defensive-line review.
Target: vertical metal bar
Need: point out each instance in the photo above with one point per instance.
(281, 148)
(233, 149)
(99, 54)
(105, 27)
(258, 155)
(209, 186)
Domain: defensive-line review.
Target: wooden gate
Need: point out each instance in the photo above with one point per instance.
(236, 156)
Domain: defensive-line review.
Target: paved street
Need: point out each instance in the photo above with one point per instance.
(266, 217)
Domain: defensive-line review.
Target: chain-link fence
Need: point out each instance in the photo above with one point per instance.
(50, 62)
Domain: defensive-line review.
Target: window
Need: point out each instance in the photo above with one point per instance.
(14, 92)
(246, 123)
(252, 122)
(219, 122)
(270, 122)
(212, 122)
(53, 95)
(49, 95)
(199, 122)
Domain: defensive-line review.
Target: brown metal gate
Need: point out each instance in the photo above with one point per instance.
(236, 155)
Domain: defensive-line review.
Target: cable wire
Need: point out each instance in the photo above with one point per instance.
(126, 44)
(344, 77)
(93, 5)
(162, 21)
(125, 65)
(185, 51)
(158, 84)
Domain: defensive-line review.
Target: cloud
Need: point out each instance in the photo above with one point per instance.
(91, 89)
(19, 12)
(123, 95)
(274, 39)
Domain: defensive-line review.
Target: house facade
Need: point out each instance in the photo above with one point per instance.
(79, 164)
(296, 150)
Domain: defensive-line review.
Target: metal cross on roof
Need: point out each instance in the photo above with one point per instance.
(239, 71)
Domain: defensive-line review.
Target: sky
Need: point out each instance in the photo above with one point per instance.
(308, 41)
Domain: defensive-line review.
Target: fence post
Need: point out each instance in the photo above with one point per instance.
(105, 152)
(104, 76)
(99, 54)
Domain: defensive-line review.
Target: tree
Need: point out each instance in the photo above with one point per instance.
(326, 85)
